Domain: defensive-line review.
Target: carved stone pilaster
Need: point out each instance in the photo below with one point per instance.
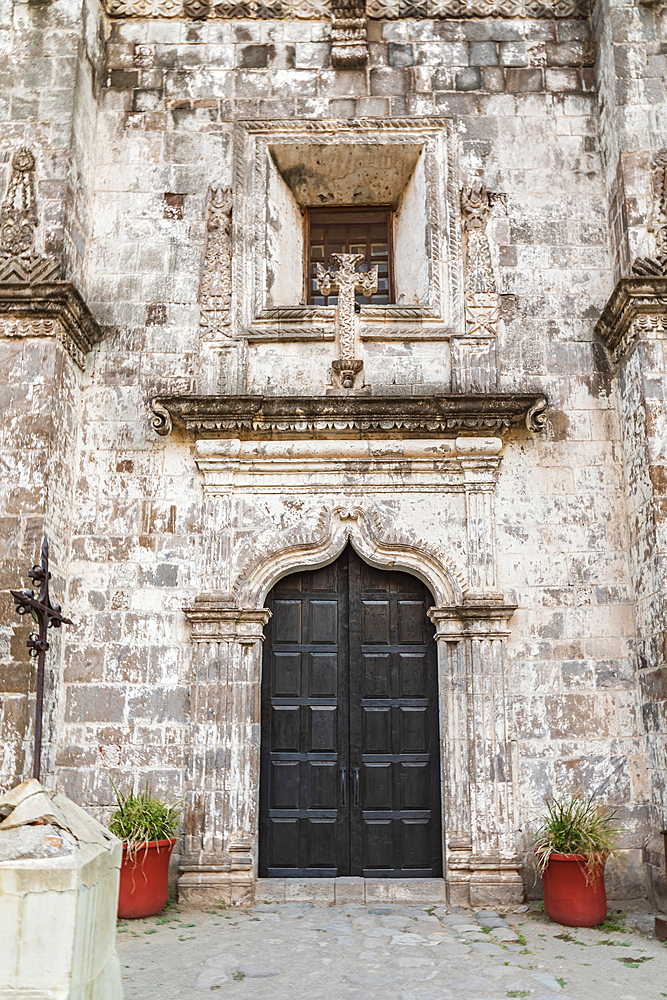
(633, 326)
(215, 564)
(221, 834)
(480, 468)
(482, 862)
(215, 294)
(349, 38)
(481, 299)
(474, 361)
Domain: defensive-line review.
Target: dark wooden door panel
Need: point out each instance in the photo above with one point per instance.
(394, 743)
(350, 759)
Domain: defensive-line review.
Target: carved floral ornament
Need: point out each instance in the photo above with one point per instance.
(323, 9)
(216, 280)
(19, 261)
(481, 299)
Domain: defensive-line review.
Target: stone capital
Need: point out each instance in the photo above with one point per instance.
(483, 619)
(215, 618)
(632, 297)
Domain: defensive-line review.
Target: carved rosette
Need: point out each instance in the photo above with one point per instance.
(18, 227)
(481, 299)
(215, 294)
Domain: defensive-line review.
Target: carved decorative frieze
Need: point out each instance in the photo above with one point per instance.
(657, 223)
(342, 416)
(320, 9)
(349, 39)
(347, 281)
(216, 281)
(49, 310)
(481, 299)
(19, 261)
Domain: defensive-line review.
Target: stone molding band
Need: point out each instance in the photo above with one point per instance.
(48, 310)
(296, 416)
(311, 10)
(632, 298)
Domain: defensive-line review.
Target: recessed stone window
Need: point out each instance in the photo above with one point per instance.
(286, 171)
(365, 231)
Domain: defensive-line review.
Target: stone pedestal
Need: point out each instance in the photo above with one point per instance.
(58, 900)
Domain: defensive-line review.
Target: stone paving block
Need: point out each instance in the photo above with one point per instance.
(349, 890)
(270, 890)
(310, 890)
(428, 890)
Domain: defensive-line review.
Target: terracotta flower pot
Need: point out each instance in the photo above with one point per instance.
(144, 878)
(573, 896)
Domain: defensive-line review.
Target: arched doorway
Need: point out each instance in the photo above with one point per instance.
(350, 768)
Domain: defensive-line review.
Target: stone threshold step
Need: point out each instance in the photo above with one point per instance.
(350, 890)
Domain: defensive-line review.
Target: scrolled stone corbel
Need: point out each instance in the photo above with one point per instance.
(161, 422)
(536, 417)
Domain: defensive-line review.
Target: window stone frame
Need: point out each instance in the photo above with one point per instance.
(256, 321)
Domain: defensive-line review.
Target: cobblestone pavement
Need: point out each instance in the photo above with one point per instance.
(377, 952)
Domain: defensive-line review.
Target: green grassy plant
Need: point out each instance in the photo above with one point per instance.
(577, 826)
(141, 818)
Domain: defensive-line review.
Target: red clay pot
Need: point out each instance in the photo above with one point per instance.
(568, 898)
(144, 878)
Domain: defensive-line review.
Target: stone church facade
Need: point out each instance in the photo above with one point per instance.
(365, 550)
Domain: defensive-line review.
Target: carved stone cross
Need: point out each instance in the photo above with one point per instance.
(347, 281)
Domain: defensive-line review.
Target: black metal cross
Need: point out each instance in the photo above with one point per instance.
(47, 615)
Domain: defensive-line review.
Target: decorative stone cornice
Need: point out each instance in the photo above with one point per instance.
(347, 416)
(632, 297)
(311, 10)
(53, 309)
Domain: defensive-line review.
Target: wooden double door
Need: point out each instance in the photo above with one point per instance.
(350, 772)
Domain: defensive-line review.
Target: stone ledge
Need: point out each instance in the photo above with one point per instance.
(631, 297)
(59, 301)
(268, 417)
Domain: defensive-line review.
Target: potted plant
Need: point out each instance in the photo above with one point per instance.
(572, 847)
(146, 825)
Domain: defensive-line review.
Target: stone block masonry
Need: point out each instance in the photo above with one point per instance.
(142, 125)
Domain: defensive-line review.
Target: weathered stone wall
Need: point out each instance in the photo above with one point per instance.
(631, 86)
(521, 95)
(641, 371)
(41, 409)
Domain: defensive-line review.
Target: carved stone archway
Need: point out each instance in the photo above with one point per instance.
(481, 862)
(338, 525)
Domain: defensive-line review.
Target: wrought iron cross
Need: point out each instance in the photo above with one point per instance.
(47, 615)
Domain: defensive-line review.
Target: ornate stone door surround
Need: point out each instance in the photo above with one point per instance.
(348, 488)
